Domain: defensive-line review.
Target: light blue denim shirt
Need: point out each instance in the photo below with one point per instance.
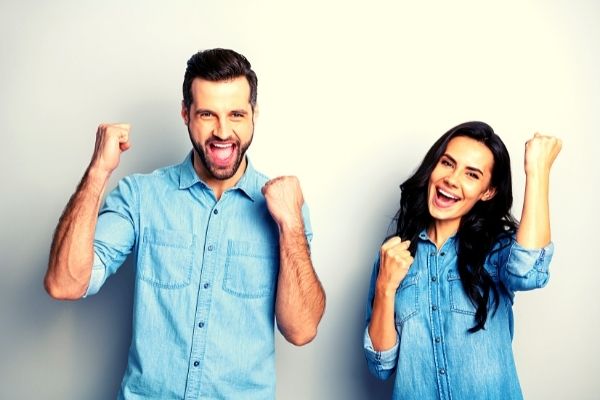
(434, 356)
(206, 274)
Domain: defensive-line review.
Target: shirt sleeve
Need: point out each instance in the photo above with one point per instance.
(380, 363)
(115, 233)
(307, 224)
(522, 268)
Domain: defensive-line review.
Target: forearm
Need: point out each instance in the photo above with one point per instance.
(534, 228)
(300, 297)
(382, 329)
(71, 253)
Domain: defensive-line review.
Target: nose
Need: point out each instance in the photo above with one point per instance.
(452, 178)
(223, 129)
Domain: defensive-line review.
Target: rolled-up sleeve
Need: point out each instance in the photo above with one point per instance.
(526, 269)
(114, 237)
(380, 363)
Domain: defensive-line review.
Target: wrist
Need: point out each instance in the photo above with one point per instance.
(385, 291)
(96, 178)
(292, 224)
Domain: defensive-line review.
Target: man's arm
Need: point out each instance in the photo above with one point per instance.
(534, 228)
(72, 253)
(300, 299)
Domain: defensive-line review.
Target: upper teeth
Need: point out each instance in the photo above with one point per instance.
(448, 194)
(222, 145)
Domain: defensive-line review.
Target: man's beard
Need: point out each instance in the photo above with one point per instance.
(215, 171)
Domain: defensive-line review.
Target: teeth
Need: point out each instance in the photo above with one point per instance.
(222, 145)
(448, 194)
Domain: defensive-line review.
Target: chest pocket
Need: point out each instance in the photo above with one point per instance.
(459, 301)
(407, 298)
(251, 269)
(166, 258)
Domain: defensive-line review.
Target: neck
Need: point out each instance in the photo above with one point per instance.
(218, 186)
(440, 231)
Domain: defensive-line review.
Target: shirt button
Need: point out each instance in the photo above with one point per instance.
(206, 285)
(201, 325)
(442, 254)
(215, 211)
(210, 248)
(432, 254)
(434, 278)
(196, 363)
(442, 371)
(438, 339)
(434, 308)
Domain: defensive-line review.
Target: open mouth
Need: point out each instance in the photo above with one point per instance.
(222, 153)
(444, 199)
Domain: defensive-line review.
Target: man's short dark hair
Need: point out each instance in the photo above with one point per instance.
(218, 65)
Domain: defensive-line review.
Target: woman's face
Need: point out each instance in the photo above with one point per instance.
(459, 180)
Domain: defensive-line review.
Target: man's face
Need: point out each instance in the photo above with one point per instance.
(220, 123)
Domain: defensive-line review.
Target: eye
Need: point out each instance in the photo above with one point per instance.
(473, 175)
(204, 114)
(237, 115)
(445, 162)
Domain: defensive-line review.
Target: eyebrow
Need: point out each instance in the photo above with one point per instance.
(206, 110)
(468, 167)
(203, 110)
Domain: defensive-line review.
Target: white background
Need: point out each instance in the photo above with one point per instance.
(352, 94)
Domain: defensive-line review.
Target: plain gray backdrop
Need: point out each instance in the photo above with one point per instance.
(351, 95)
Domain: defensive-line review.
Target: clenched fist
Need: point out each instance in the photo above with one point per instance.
(540, 153)
(394, 262)
(111, 141)
(284, 201)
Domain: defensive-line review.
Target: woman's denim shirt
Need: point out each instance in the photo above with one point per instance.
(434, 356)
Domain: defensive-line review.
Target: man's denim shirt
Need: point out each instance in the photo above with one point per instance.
(434, 356)
(206, 275)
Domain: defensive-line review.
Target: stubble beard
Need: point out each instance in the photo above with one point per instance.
(217, 172)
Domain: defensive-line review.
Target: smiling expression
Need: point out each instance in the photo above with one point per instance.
(459, 180)
(220, 123)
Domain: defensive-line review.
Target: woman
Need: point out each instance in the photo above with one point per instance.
(439, 311)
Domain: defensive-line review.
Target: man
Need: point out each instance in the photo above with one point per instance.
(219, 249)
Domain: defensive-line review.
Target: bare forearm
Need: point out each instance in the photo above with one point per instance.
(300, 297)
(534, 229)
(382, 329)
(540, 153)
(71, 253)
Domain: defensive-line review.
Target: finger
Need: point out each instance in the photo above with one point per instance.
(398, 252)
(125, 126)
(403, 246)
(391, 242)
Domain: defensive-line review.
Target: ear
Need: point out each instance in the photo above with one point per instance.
(488, 194)
(255, 113)
(185, 114)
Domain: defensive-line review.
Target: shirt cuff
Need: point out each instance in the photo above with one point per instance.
(522, 261)
(385, 359)
(97, 277)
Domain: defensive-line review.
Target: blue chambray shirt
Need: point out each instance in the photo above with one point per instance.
(434, 356)
(206, 275)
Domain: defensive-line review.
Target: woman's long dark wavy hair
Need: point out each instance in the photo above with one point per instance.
(485, 224)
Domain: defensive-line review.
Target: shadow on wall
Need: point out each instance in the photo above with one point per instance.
(371, 387)
(90, 339)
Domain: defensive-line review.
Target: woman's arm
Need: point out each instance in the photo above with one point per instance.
(395, 260)
(534, 228)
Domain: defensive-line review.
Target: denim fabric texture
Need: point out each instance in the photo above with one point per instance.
(206, 275)
(434, 356)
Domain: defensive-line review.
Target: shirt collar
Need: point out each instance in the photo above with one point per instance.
(423, 236)
(248, 183)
